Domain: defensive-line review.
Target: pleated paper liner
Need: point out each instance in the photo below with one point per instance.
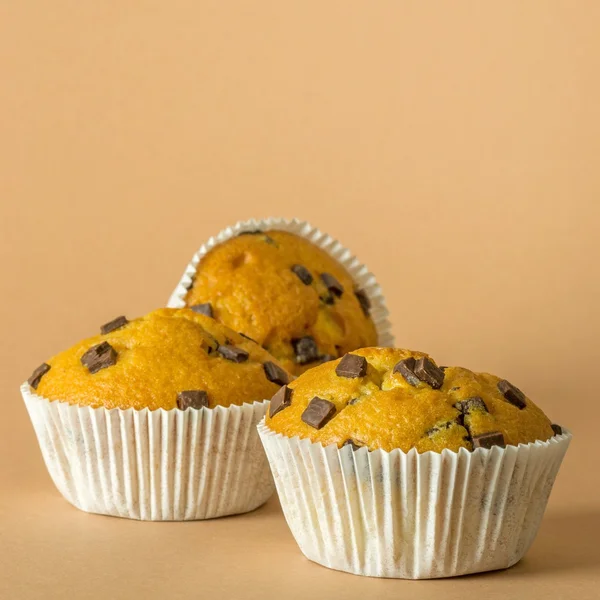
(411, 515)
(162, 465)
(364, 279)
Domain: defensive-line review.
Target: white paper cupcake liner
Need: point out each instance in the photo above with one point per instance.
(411, 515)
(363, 278)
(162, 465)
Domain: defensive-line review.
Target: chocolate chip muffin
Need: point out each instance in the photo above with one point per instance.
(287, 294)
(387, 398)
(171, 358)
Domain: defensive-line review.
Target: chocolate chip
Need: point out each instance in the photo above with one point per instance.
(99, 357)
(557, 429)
(114, 325)
(329, 299)
(203, 309)
(275, 373)
(303, 274)
(406, 369)
(474, 403)
(232, 353)
(332, 284)
(192, 399)
(454, 389)
(353, 401)
(440, 427)
(211, 344)
(268, 240)
(512, 394)
(487, 440)
(352, 366)
(350, 442)
(282, 399)
(427, 371)
(248, 337)
(305, 349)
(318, 412)
(37, 375)
(364, 301)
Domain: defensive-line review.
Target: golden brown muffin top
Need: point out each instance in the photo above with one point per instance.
(150, 361)
(387, 398)
(287, 294)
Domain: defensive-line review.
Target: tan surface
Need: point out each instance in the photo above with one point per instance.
(454, 148)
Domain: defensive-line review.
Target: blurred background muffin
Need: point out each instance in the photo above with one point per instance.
(286, 293)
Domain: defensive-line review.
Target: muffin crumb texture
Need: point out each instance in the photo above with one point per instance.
(286, 293)
(387, 398)
(171, 358)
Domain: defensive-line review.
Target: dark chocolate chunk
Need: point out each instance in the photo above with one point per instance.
(248, 337)
(268, 240)
(351, 442)
(329, 299)
(232, 353)
(352, 366)
(192, 399)
(487, 440)
(318, 412)
(474, 403)
(303, 274)
(427, 371)
(557, 429)
(37, 375)
(440, 427)
(282, 399)
(305, 349)
(99, 357)
(512, 394)
(203, 309)
(406, 369)
(353, 401)
(332, 284)
(212, 345)
(114, 325)
(364, 301)
(275, 373)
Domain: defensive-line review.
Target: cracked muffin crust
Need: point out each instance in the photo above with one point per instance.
(171, 358)
(387, 398)
(286, 293)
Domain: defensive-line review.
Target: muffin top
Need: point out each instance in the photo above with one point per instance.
(386, 398)
(287, 294)
(171, 358)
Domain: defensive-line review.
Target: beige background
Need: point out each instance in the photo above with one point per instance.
(454, 146)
